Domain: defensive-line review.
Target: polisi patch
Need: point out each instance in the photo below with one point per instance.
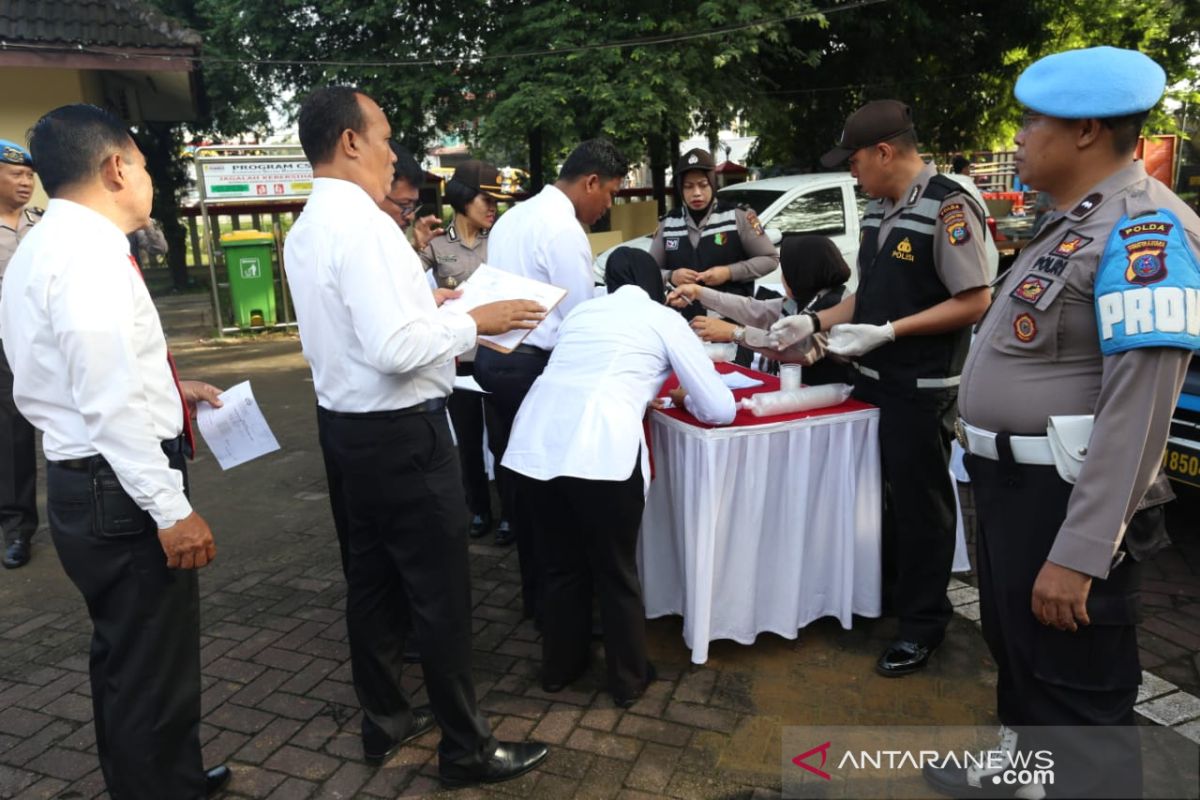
(903, 251)
(1147, 261)
(1071, 242)
(1031, 288)
(671, 244)
(1025, 327)
(1050, 264)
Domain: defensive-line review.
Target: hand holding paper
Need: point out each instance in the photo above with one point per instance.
(505, 306)
(236, 432)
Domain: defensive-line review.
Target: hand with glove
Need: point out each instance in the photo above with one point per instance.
(789, 330)
(856, 340)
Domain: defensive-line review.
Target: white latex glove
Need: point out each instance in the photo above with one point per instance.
(789, 330)
(855, 340)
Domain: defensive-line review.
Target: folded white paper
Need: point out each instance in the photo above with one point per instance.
(488, 285)
(736, 380)
(236, 432)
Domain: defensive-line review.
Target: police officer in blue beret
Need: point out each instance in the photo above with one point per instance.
(18, 464)
(1065, 403)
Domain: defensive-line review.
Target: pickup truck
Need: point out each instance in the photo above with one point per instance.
(828, 203)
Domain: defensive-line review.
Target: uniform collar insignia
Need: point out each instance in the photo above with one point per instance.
(451, 234)
(1087, 205)
(914, 194)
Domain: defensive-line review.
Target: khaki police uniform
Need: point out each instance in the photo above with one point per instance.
(915, 254)
(452, 262)
(18, 460)
(1038, 353)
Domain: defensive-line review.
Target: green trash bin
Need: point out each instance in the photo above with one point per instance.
(251, 278)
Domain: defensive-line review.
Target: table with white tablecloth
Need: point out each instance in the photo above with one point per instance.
(759, 527)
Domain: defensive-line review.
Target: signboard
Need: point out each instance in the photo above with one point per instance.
(266, 179)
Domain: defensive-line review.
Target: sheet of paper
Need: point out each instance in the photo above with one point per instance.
(736, 380)
(236, 432)
(488, 284)
(467, 383)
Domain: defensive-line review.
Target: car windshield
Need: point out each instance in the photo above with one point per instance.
(758, 199)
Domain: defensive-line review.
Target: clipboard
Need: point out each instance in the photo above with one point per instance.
(488, 284)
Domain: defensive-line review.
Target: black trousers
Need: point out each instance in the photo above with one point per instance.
(145, 653)
(915, 429)
(395, 485)
(469, 411)
(508, 378)
(586, 534)
(18, 464)
(1049, 677)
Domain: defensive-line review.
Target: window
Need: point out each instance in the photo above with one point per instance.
(820, 212)
(758, 199)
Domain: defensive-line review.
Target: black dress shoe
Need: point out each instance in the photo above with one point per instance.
(480, 524)
(378, 746)
(902, 658)
(510, 760)
(17, 553)
(505, 535)
(626, 700)
(215, 780)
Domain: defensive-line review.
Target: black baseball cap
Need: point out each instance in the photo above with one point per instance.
(875, 122)
(695, 159)
(480, 176)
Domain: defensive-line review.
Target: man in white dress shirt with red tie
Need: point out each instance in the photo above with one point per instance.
(382, 359)
(92, 372)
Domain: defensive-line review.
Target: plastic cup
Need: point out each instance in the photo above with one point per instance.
(789, 377)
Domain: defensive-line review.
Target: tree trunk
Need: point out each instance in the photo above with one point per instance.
(537, 176)
(161, 146)
(657, 147)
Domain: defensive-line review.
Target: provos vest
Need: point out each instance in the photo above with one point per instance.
(899, 279)
(719, 244)
(1148, 286)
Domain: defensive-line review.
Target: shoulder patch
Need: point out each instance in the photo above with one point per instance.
(957, 231)
(951, 208)
(752, 219)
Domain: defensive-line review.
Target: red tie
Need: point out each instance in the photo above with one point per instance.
(188, 435)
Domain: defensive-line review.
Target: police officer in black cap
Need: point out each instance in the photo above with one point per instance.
(922, 283)
(18, 465)
(708, 241)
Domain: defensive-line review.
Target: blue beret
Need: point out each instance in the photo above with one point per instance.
(1096, 82)
(13, 153)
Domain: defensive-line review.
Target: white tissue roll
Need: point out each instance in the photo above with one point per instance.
(720, 352)
(789, 377)
(770, 404)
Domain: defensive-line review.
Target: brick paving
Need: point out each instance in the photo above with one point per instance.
(279, 707)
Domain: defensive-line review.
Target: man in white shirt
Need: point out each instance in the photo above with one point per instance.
(543, 239)
(92, 371)
(382, 358)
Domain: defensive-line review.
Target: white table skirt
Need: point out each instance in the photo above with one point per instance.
(762, 528)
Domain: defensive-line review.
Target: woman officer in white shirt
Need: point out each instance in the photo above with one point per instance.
(578, 447)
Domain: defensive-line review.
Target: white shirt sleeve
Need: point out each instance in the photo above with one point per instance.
(568, 260)
(708, 398)
(398, 328)
(94, 319)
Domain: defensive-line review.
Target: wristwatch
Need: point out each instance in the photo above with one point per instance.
(739, 333)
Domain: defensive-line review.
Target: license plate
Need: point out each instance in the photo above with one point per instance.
(1181, 461)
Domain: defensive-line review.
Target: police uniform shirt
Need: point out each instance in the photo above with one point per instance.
(761, 256)
(541, 239)
(583, 416)
(451, 259)
(369, 326)
(10, 237)
(960, 262)
(88, 355)
(1038, 353)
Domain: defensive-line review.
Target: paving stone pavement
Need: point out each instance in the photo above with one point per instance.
(279, 707)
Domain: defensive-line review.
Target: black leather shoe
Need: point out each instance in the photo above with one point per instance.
(902, 658)
(17, 553)
(625, 701)
(480, 524)
(505, 535)
(378, 746)
(215, 780)
(510, 760)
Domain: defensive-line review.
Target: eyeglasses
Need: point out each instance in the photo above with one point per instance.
(407, 207)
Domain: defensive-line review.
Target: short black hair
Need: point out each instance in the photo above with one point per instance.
(71, 142)
(459, 195)
(406, 167)
(905, 141)
(324, 116)
(1125, 129)
(594, 157)
(960, 165)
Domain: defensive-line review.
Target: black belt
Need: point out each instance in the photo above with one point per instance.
(434, 406)
(85, 464)
(529, 349)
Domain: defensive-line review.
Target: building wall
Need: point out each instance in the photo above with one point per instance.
(31, 92)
